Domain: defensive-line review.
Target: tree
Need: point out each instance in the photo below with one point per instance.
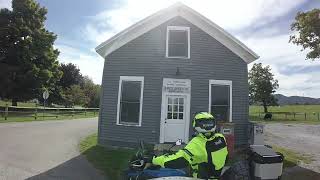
(74, 95)
(92, 92)
(28, 60)
(307, 24)
(71, 76)
(262, 85)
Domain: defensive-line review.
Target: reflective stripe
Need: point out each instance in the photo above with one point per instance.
(188, 152)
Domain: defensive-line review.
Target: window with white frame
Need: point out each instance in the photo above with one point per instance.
(130, 99)
(220, 99)
(178, 42)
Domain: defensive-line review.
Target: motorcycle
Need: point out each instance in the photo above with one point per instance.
(140, 170)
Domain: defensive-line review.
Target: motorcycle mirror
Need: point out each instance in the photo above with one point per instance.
(178, 142)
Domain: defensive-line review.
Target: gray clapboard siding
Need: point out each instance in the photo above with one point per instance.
(145, 56)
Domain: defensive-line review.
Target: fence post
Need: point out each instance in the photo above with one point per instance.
(85, 111)
(36, 112)
(294, 116)
(6, 112)
(57, 113)
(305, 116)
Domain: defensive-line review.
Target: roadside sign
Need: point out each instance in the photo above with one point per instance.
(45, 94)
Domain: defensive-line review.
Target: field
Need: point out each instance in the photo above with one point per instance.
(288, 113)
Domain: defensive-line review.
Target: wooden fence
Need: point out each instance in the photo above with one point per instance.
(290, 115)
(7, 112)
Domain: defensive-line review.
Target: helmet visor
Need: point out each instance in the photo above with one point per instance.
(206, 124)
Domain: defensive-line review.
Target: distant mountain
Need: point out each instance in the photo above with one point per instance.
(291, 100)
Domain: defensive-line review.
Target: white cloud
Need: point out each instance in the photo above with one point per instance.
(5, 4)
(233, 16)
(89, 64)
(277, 52)
(229, 14)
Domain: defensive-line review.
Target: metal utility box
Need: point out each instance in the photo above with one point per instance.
(265, 163)
(256, 136)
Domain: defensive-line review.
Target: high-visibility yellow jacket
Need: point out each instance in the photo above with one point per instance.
(207, 157)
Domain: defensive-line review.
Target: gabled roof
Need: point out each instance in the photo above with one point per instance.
(164, 15)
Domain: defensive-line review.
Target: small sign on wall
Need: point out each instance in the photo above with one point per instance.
(176, 86)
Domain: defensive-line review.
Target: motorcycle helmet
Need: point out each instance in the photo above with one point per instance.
(204, 122)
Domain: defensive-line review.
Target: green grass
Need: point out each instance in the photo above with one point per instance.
(26, 117)
(292, 158)
(20, 104)
(285, 113)
(110, 161)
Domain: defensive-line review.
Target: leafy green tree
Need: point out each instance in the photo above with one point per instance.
(92, 92)
(74, 95)
(71, 76)
(307, 24)
(262, 85)
(28, 60)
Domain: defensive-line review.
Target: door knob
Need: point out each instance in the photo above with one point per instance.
(165, 122)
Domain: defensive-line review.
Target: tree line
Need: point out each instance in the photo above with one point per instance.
(28, 61)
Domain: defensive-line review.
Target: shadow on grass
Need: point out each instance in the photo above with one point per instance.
(111, 161)
(77, 168)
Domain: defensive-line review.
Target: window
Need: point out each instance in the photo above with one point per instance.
(220, 99)
(130, 99)
(178, 42)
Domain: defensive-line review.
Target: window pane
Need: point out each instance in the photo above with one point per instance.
(178, 43)
(131, 91)
(169, 115)
(129, 112)
(176, 100)
(181, 100)
(175, 116)
(169, 100)
(175, 108)
(220, 95)
(180, 115)
(221, 113)
(170, 108)
(180, 108)
(130, 101)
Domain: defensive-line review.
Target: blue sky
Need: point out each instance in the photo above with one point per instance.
(263, 25)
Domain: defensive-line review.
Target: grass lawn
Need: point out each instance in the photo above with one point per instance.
(110, 161)
(292, 158)
(20, 104)
(25, 117)
(288, 114)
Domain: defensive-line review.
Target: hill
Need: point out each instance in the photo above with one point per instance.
(291, 100)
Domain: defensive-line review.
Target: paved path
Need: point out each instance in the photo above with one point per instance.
(301, 138)
(45, 150)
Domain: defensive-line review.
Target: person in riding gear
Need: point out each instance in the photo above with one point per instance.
(206, 153)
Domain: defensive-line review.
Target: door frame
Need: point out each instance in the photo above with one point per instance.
(187, 93)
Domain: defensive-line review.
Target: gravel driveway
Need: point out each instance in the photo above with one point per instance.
(301, 138)
(45, 150)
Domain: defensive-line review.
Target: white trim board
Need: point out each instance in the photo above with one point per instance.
(130, 78)
(164, 15)
(222, 82)
(182, 28)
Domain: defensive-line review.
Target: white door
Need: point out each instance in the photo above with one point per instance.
(175, 118)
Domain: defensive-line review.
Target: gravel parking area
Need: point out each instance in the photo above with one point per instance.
(304, 139)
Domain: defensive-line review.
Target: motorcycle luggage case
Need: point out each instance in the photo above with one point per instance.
(265, 163)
